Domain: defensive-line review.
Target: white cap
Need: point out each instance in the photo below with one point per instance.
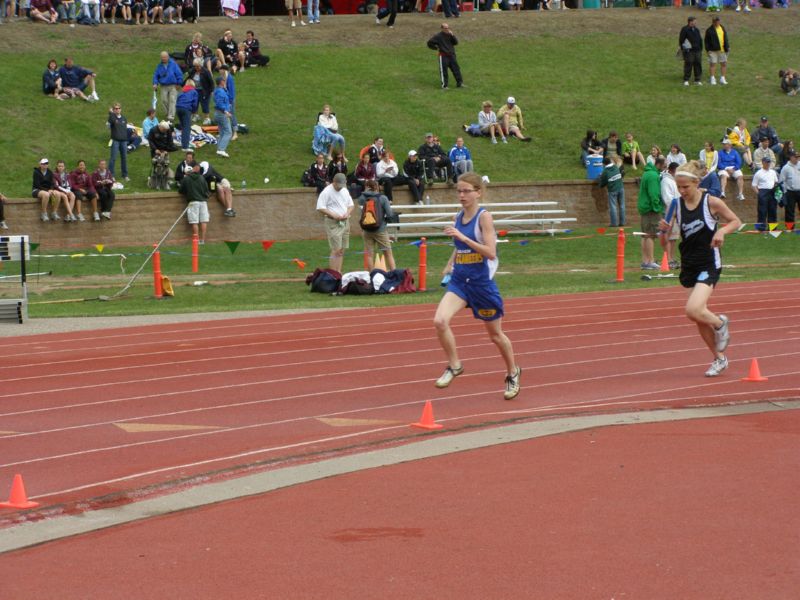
(412, 152)
(187, 169)
(511, 100)
(203, 167)
(44, 161)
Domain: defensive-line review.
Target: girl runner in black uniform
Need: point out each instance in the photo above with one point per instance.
(701, 263)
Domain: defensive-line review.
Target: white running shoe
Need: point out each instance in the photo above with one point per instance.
(94, 96)
(747, 9)
(448, 376)
(223, 154)
(717, 367)
(55, 217)
(686, 83)
(738, 8)
(3, 225)
(721, 334)
(95, 217)
(723, 81)
(713, 80)
(512, 385)
(44, 217)
(106, 215)
(81, 217)
(740, 197)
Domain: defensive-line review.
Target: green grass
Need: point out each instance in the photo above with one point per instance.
(251, 279)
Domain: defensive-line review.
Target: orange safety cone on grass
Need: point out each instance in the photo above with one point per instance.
(664, 264)
(427, 421)
(755, 372)
(18, 498)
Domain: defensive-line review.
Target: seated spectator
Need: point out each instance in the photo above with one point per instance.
(318, 173)
(460, 158)
(709, 157)
(125, 10)
(134, 139)
(765, 130)
(655, 153)
(187, 12)
(365, 171)
(185, 106)
(161, 139)
(379, 236)
(388, 174)
(414, 174)
(219, 184)
(590, 146)
(790, 81)
(252, 52)
(676, 155)
(710, 181)
(434, 159)
(204, 84)
(326, 133)
(740, 139)
(154, 9)
(61, 182)
(228, 51)
(139, 10)
(51, 82)
(108, 11)
(80, 182)
(487, 120)
(510, 117)
(188, 161)
(149, 123)
(336, 165)
(764, 151)
(205, 53)
(103, 183)
(44, 189)
(43, 11)
(90, 12)
(170, 10)
(729, 164)
(195, 189)
(75, 79)
(631, 152)
(66, 11)
(374, 151)
(783, 157)
(3, 199)
(612, 147)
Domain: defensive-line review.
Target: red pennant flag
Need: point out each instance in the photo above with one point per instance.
(267, 244)
(789, 226)
(601, 230)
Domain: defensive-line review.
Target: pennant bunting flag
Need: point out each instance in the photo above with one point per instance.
(502, 233)
(524, 242)
(775, 234)
(772, 226)
(232, 246)
(267, 244)
(601, 230)
(416, 243)
(99, 248)
(789, 226)
(34, 245)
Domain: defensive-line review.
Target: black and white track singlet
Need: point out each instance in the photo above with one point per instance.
(697, 228)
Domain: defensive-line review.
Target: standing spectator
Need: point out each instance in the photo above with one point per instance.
(204, 85)
(391, 10)
(631, 152)
(336, 205)
(253, 56)
(790, 178)
(651, 209)
(61, 181)
(676, 155)
(611, 177)
(709, 157)
(222, 116)
(103, 183)
(765, 130)
(77, 78)
(510, 116)
(42, 10)
(691, 45)
(51, 82)
(612, 146)
(295, 7)
(221, 186)
(414, 174)
(450, 8)
(729, 164)
(445, 43)
(718, 45)
(44, 189)
(80, 182)
(195, 189)
(169, 76)
(487, 121)
(118, 125)
(3, 224)
(379, 236)
(185, 106)
(228, 51)
(460, 158)
(669, 192)
(764, 151)
(764, 183)
(230, 89)
(312, 8)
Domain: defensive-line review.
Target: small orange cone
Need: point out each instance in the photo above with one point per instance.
(18, 498)
(755, 372)
(664, 264)
(426, 421)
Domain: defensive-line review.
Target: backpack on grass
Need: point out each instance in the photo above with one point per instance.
(324, 281)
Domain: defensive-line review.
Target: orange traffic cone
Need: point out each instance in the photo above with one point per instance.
(755, 372)
(664, 264)
(426, 421)
(18, 498)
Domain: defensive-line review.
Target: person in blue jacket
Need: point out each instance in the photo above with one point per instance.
(461, 158)
(222, 116)
(75, 79)
(230, 87)
(729, 164)
(185, 106)
(169, 76)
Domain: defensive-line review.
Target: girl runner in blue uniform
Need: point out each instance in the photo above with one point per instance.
(472, 267)
(701, 262)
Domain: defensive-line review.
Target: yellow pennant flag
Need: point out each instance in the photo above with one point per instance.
(99, 247)
(772, 226)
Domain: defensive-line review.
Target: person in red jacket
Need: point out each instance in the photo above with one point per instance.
(80, 182)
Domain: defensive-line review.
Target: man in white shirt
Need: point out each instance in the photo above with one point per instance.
(764, 183)
(336, 205)
(790, 178)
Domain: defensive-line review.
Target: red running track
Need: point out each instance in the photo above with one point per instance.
(699, 509)
(212, 399)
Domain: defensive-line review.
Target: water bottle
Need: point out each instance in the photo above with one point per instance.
(244, 184)
(427, 199)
